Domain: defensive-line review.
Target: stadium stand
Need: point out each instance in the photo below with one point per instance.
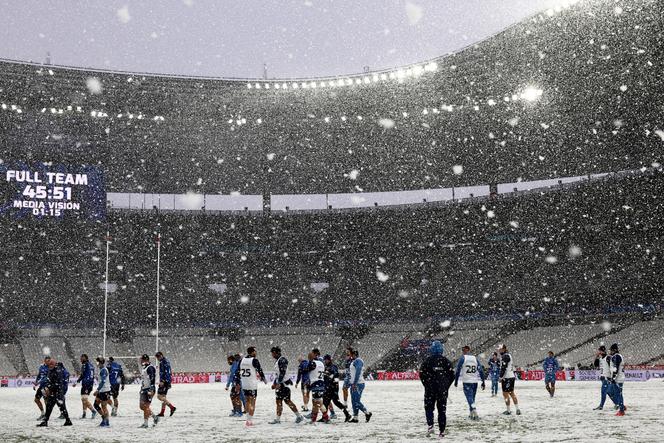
(558, 107)
(218, 136)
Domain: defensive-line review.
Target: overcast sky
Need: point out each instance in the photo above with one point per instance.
(295, 38)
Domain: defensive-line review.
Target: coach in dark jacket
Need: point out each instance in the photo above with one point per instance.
(437, 375)
(55, 392)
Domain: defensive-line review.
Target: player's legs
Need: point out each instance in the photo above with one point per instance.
(236, 401)
(470, 391)
(316, 405)
(345, 392)
(618, 396)
(280, 407)
(356, 397)
(552, 385)
(292, 406)
(305, 397)
(38, 402)
(441, 405)
(243, 400)
(250, 395)
(603, 393)
(429, 406)
(515, 400)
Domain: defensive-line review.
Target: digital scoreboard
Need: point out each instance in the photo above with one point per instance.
(42, 190)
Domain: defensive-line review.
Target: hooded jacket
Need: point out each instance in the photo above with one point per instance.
(436, 373)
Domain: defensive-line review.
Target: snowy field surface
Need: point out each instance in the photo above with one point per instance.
(398, 416)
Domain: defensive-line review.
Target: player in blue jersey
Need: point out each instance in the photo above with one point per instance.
(117, 380)
(165, 374)
(237, 395)
(494, 373)
(346, 384)
(550, 366)
(40, 384)
(65, 387)
(103, 392)
(471, 372)
(357, 386)
(87, 381)
(303, 380)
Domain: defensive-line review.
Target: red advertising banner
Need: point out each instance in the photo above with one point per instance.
(390, 375)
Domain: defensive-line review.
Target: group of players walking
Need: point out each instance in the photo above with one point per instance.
(52, 384)
(319, 380)
(437, 376)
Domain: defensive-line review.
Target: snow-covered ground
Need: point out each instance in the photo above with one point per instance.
(398, 416)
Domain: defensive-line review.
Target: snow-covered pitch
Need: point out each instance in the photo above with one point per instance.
(203, 410)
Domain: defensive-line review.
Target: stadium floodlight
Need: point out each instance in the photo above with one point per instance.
(531, 94)
(349, 81)
(295, 85)
(313, 84)
(374, 78)
(383, 77)
(304, 85)
(366, 80)
(358, 81)
(92, 113)
(3, 106)
(277, 86)
(266, 86)
(257, 85)
(259, 121)
(248, 85)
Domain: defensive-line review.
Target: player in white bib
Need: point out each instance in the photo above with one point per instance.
(471, 372)
(103, 392)
(250, 371)
(507, 379)
(316, 370)
(602, 364)
(617, 369)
